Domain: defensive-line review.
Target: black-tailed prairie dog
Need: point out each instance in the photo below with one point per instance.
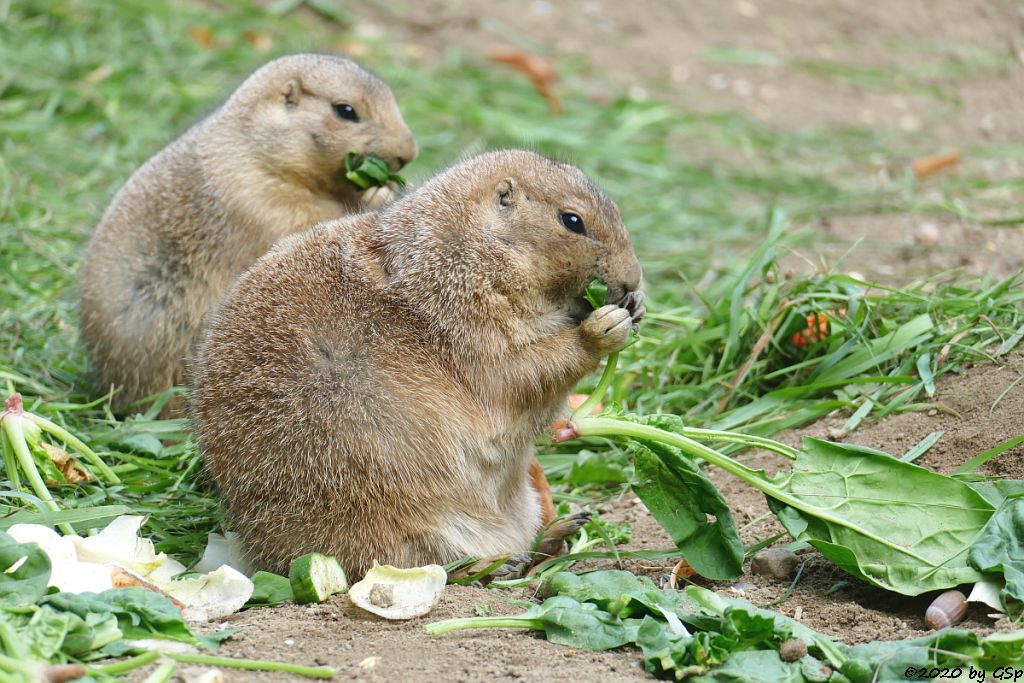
(269, 162)
(372, 388)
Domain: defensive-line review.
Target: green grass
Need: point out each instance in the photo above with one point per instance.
(89, 90)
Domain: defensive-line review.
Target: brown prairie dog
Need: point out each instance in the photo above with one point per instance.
(372, 388)
(268, 163)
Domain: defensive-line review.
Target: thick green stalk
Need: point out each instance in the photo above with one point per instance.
(610, 427)
(70, 438)
(439, 628)
(588, 406)
(253, 664)
(16, 437)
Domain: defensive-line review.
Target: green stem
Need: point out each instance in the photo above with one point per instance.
(10, 463)
(609, 427)
(124, 666)
(70, 438)
(439, 628)
(588, 406)
(16, 437)
(163, 673)
(745, 439)
(253, 664)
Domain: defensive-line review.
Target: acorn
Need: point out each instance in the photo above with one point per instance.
(948, 609)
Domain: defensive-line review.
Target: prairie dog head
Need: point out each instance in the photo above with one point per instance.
(515, 227)
(303, 114)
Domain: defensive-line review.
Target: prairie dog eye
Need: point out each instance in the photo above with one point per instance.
(572, 222)
(345, 111)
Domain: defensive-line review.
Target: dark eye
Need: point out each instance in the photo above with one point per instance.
(345, 111)
(572, 222)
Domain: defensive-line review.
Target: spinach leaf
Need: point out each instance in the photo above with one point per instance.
(139, 613)
(764, 666)
(888, 660)
(27, 581)
(891, 523)
(1000, 548)
(596, 294)
(618, 592)
(693, 512)
(270, 589)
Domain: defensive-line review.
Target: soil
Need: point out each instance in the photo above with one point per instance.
(662, 48)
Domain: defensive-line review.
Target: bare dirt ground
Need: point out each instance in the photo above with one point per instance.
(661, 48)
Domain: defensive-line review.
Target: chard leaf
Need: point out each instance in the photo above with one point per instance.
(893, 524)
(1000, 548)
(26, 583)
(693, 512)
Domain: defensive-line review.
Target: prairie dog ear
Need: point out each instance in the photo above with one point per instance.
(508, 193)
(292, 92)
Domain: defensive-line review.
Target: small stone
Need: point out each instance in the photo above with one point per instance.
(719, 81)
(289, 641)
(369, 662)
(747, 9)
(932, 412)
(792, 650)
(777, 563)
(927, 234)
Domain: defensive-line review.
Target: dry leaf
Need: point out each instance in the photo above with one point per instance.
(261, 41)
(202, 36)
(68, 466)
(681, 571)
(926, 166)
(355, 48)
(123, 578)
(541, 74)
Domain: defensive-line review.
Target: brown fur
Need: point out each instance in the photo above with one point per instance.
(372, 388)
(267, 163)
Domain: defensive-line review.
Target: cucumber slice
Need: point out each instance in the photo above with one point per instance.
(316, 577)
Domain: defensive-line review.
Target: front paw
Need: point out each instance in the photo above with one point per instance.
(606, 330)
(634, 303)
(376, 197)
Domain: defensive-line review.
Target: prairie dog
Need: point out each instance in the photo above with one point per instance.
(372, 388)
(269, 162)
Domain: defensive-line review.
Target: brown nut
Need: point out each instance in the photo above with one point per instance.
(948, 609)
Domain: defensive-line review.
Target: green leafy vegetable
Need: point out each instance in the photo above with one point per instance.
(564, 620)
(596, 294)
(24, 572)
(888, 660)
(894, 524)
(617, 592)
(369, 171)
(270, 589)
(685, 502)
(1000, 548)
